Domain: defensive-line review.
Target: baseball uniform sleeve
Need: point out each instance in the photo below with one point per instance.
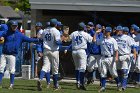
(71, 35)
(88, 37)
(57, 37)
(27, 39)
(131, 42)
(137, 38)
(115, 44)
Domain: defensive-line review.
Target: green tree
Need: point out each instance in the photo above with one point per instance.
(22, 5)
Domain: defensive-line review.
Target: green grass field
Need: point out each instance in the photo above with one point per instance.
(29, 86)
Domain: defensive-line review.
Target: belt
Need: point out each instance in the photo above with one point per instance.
(123, 54)
(106, 56)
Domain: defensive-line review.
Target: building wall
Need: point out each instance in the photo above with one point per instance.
(69, 18)
(88, 5)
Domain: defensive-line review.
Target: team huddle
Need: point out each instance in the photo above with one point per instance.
(93, 48)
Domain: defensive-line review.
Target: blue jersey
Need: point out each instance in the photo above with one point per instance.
(93, 48)
(39, 48)
(13, 40)
(3, 29)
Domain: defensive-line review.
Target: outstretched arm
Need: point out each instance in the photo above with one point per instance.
(27, 39)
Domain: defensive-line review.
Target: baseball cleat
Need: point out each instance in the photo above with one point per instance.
(101, 90)
(39, 86)
(123, 89)
(120, 89)
(11, 86)
(82, 87)
(57, 88)
(89, 80)
(77, 85)
(48, 86)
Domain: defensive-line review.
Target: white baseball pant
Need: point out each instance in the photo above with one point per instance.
(123, 62)
(138, 64)
(108, 63)
(80, 59)
(93, 62)
(11, 59)
(50, 60)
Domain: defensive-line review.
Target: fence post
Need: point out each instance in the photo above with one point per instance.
(33, 61)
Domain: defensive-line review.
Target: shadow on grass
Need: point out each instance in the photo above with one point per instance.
(25, 85)
(31, 89)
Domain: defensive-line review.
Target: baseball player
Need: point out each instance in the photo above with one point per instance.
(51, 42)
(59, 27)
(79, 44)
(137, 68)
(131, 64)
(125, 45)
(13, 40)
(126, 31)
(39, 48)
(94, 53)
(3, 28)
(39, 30)
(109, 56)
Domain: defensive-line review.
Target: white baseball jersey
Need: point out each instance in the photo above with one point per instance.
(108, 46)
(50, 36)
(40, 31)
(124, 44)
(80, 39)
(137, 39)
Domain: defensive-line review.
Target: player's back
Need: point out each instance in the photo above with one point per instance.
(80, 39)
(50, 37)
(124, 44)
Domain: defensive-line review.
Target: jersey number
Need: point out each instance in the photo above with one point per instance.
(110, 48)
(78, 40)
(48, 37)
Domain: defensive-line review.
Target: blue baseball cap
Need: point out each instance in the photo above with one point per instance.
(108, 29)
(99, 26)
(48, 23)
(14, 23)
(119, 28)
(39, 24)
(82, 25)
(133, 25)
(125, 29)
(136, 28)
(90, 24)
(53, 21)
(59, 23)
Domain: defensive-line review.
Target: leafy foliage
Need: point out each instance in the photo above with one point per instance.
(22, 5)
